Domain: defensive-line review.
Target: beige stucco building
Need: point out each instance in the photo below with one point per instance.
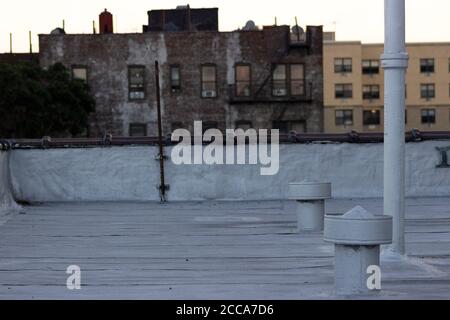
(354, 87)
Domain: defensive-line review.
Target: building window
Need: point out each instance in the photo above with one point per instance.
(297, 77)
(344, 117)
(243, 80)
(79, 73)
(343, 65)
(136, 82)
(371, 92)
(243, 124)
(343, 91)
(427, 90)
(138, 130)
(426, 65)
(370, 66)
(371, 118)
(279, 81)
(428, 116)
(285, 127)
(209, 81)
(175, 77)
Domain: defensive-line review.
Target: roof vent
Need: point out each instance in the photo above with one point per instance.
(250, 25)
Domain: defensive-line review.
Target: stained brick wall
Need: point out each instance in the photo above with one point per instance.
(108, 56)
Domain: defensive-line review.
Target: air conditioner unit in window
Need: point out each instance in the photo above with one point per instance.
(279, 92)
(208, 93)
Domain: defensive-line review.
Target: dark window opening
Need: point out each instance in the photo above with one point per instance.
(343, 65)
(371, 92)
(279, 81)
(138, 130)
(175, 78)
(209, 81)
(428, 116)
(136, 82)
(370, 67)
(427, 65)
(427, 90)
(344, 117)
(371, 118)
(344, 91)
(243, 80)
(297, 79)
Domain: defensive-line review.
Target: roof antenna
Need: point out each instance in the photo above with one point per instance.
(10, 43)
(297, 29)
(64, 25)
(31, 44)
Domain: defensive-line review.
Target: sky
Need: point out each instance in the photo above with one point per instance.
(427, 21)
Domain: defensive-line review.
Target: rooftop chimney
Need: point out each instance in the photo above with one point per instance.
(106, 22)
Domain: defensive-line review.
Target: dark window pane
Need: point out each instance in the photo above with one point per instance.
(209, 85)
(243, 81)
(427, 91)
(371, 92)
(136, 82)
(343, 65)
(426, 65)
(344, 91)
(175, 77)
(297, 80)
(371, 118)
(370, 67)
(428, 116)
(279, 81)
(344, 117)
(138, 130)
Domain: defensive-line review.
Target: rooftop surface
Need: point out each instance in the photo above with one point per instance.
(205, 250)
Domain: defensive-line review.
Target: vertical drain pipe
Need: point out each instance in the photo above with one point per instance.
(395, 62)
(162, 187)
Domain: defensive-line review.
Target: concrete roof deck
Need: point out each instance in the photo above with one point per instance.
(205, 250)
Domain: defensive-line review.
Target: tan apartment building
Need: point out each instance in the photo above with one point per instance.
(354, 87)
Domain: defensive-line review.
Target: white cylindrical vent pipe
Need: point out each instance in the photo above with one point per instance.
(395, 62)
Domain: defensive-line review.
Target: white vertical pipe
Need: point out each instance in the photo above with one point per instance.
(395, 62)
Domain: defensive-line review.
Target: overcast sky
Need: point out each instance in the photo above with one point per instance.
(352, 19)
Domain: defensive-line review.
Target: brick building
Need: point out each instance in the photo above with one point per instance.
(260, 78)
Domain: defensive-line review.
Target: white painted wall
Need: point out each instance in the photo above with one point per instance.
(132, 173)
(7, 203)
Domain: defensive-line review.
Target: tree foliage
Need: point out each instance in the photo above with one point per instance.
(36, 102)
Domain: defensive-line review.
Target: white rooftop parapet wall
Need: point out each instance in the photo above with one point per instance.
(7, 203)
(132, 173)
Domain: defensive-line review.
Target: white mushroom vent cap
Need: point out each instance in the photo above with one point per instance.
(358, 227)
(308, 190)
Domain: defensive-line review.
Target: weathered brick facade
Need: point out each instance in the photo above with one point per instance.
(108, 57)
